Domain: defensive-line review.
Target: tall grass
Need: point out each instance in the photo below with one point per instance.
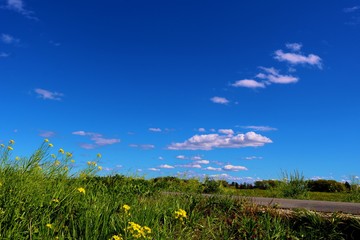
(42, 198)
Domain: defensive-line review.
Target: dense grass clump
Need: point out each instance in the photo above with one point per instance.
(42, 198)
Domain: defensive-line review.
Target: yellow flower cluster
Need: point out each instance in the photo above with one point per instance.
(11, 142)
(61, 151)
(180, 214)
(138, 231)
(116, 237)
(126, 209)
(81, 190)
(92, 163)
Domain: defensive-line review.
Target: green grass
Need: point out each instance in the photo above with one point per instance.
(41, 198)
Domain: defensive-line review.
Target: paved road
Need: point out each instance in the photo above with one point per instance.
(319, 206)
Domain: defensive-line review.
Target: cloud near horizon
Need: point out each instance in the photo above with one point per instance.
(46, 94)
(142, 146)
(212, 141)
(97, 138)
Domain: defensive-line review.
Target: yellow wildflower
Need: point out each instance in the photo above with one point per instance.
(11, 142)
(126, 207)
(49, 225)
(98, 155)
(100, 168)
(46, 140)
(147, 229)
(81, 190)
(53, 155)
(2, 145)
(93, 163)
(10, 148)
(51, 145)
(55, 200)
(88, 163)
(116, 237)
(61, 151)
(72, 160)
(68, 154)
(66, 168)
(180, 214)
(57, 163)
(17, 158)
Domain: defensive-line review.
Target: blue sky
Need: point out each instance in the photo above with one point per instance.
(238, 90)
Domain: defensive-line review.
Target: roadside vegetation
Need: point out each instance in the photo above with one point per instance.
(41, 197)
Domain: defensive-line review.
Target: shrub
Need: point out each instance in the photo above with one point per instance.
(323, 185)
(294, 185)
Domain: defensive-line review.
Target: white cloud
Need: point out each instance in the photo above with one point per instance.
(154, 129)
(226, 131)
(189, 166)
(46, 134)
(294, 46)
(19, 6)
(8, 39)
(201, 130)
(252, 158)
(202, 162)
(212, 141)
(97, 138)
(213, 169)
(142, 146)
(154, 169)
(46, 94)
(219, 100)
(196, 158)
(274, 76)
(248, 83)
(4, 55)
(234, 168)
(160, 158)
(181, 157)
(260, 128)
(351, 9)
(166, 166)
(296, 58)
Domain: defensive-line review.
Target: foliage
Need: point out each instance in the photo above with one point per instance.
(322, 185)
(294, 185)
(41, 199)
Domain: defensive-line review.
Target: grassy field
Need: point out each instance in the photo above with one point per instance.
(41, 198)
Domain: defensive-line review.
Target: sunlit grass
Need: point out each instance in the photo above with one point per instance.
(42, 197)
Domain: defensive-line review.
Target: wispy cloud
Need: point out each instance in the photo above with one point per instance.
(166, 166)
(297, 58)
(182, 157)
(154, 169)
(191, 165)
(213, 169)
(219, 100)
(8, 39)
(155, 129)
(273, 76)
(19, 7)
(97, 138)
(226, 131)
(252, 158)
(202, 130)
(202, 162)
(142, 146)
(4, 55)
(234, 168)
(212, 141)
(46, 94)
(248, 83)
(351, 9)
(294, 46)
(46, 134)
(260, 128)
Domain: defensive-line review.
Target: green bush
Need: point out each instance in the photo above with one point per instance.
(294, 185)
(323, 185)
